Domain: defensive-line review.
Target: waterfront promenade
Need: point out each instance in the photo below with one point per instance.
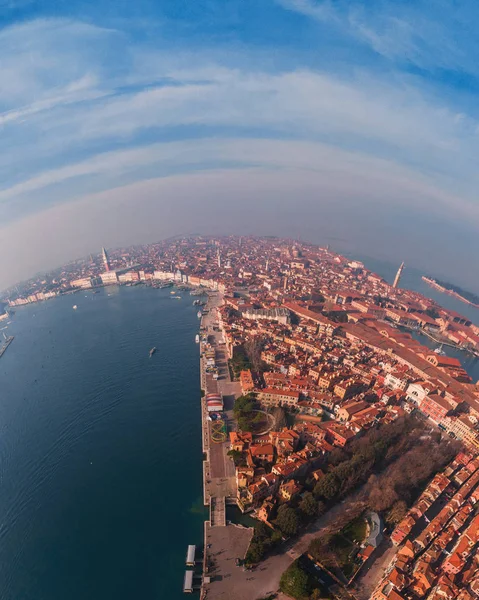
(218, 468)
(224, 542)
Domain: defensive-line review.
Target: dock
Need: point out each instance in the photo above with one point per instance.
(188, 582)
(6, 343)
(190, 556)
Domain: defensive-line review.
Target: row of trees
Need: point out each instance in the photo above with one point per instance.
(288, 520)
(296, 583)
(400, 483)
(239, 361)
(248, 356)
(264, 539)
(391, 460)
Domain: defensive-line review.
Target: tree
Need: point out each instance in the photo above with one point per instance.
(238, 458)
(255, 552)
(244, 404)
(397, 513)
(253, 348)
(308, 505)
(320, 550)
(244, 412)
(244, 424)
(294, 582)
(327, 487)
(287, 520)
(321, 508)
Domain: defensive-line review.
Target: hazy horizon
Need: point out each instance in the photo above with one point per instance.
(353, 124)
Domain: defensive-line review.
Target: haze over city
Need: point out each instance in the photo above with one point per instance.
(353, 124)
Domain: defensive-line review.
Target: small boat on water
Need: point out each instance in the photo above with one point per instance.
(172, 292)
(75, 307)
(197, 339)
(176, 297)
(198, 314)
(440, 351)
(152, 351)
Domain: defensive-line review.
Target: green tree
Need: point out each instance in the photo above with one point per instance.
(321, 550)
(287, 520)
(294, 582)
(308, 505)
(244, 404)
(238, 458)
(255, 552)
(327, 487)
(244, 423)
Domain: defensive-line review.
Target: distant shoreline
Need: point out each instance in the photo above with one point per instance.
(442, 288)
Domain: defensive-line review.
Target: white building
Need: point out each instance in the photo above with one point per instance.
(83, 283)
(416, 392)
(109, 277)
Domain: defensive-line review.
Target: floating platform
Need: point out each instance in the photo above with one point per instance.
(190, 555)
(188, 582)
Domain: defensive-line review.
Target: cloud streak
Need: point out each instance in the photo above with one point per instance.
(88, 109)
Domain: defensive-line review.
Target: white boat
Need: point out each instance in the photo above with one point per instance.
(440, 351)
(75, 307)
(197, 339)
(198, 314)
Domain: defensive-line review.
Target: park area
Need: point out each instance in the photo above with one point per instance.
(250, 418)
(340, 552)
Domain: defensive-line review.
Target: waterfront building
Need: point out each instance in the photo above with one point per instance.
(109, 277)
(84, 283)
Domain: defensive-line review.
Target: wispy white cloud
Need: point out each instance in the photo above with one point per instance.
(322, 11)
(428, 33)
(121, 112)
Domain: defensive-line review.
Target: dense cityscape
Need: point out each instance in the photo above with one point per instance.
(319, 408)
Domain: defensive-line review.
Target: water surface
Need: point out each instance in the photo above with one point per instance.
(100, 447)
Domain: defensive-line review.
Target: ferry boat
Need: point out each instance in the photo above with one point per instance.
(152, 351)
(197, 339)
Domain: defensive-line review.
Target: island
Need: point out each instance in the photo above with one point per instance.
(453, 290)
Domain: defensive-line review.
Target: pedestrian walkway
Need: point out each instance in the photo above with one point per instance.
(217, 512)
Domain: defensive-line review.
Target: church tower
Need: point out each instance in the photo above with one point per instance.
(397, 279)
(106, 262)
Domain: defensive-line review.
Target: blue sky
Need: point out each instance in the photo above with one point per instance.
(353, 123)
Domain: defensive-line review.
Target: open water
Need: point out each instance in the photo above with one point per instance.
(100, 447)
